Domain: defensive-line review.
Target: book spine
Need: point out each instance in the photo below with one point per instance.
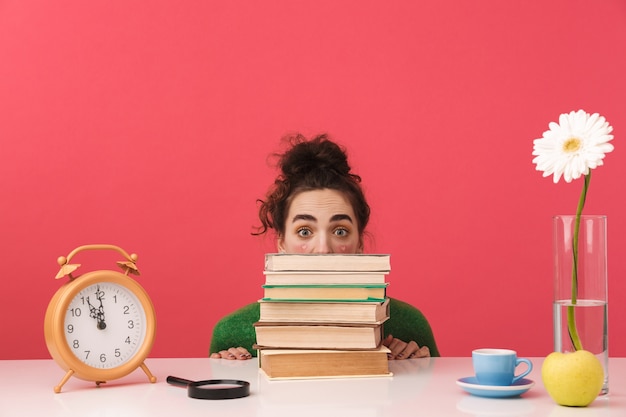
(319, 336)
(324, 312)
(323, 278)
(355, 263)
(319, 293)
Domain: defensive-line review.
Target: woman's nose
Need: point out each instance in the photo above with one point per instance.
(323, 245)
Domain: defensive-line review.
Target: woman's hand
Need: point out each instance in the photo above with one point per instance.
(234, 353)
(403, 350)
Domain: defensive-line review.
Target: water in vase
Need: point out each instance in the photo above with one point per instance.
(592, 325)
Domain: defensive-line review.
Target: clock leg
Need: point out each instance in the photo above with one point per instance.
(67, 376)
(151, 377)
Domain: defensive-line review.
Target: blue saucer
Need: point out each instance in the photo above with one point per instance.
(471, 385)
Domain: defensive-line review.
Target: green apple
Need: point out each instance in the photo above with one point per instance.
(572, 379)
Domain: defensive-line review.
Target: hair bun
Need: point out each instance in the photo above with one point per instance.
(314, 157)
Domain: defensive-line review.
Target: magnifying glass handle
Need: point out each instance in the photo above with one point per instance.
(182, 382)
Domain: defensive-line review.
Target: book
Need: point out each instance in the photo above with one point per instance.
(323, 277)
(342, 336)
(327, 262)
(326, 292)
(293, 363)
(343, 312)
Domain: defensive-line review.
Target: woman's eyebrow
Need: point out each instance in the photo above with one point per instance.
(338, 217)
(307, 217)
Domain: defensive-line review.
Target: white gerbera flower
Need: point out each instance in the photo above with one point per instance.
(572, 147)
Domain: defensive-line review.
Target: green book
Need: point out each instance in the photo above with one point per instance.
(328, 292)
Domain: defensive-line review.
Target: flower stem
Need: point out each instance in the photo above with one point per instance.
(571, 318)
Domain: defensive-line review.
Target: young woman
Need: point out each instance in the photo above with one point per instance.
(317, 205)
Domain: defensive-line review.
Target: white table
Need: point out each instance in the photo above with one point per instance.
(425, 387)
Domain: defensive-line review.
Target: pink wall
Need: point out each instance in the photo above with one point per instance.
(147, 125)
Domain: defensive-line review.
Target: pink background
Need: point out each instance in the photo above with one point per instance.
(147, 125)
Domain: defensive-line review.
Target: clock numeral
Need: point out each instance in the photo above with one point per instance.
(75, 344)
(75, 312)
(131, 325)
(70, 328)
(118, 353)
(127, 341)
(126, 310)
(103, 358)
(87, 352)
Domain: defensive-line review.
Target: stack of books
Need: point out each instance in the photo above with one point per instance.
(322, 315)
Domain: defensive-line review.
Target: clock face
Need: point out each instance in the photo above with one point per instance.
(105, 325)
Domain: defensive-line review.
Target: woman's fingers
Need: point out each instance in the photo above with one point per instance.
(226, 354)
(240, 353)
(402, 350)
(234, 353)
(423, 352)
(396, 347)
(408, 351)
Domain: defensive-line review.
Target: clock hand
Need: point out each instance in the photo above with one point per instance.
(100, 313)
(97, 313)
(93, 313)
(101, 324)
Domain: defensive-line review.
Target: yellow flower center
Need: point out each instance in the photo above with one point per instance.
(571, 145)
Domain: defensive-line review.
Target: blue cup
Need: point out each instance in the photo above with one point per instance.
(497, 366)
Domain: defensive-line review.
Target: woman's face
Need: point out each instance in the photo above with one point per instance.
(320, 221)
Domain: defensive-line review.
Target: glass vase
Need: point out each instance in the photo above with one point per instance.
(580, 288)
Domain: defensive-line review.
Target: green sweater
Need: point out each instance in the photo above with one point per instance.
(405, 323)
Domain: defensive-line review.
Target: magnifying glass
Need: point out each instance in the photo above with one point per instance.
(213, 389)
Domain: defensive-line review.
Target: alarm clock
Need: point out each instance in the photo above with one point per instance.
(101, 325)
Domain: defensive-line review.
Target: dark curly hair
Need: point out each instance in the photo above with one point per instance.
(307, 165)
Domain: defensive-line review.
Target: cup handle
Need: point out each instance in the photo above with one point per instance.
(529, 367)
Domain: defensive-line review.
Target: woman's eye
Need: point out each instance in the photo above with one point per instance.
(304, 232)
(341, 232)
